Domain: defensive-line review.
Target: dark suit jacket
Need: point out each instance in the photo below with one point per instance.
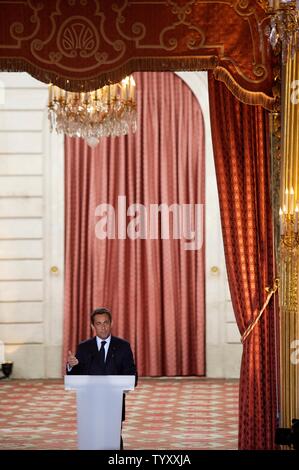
(119, 360)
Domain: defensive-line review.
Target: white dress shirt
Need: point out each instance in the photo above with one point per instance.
(106, 346)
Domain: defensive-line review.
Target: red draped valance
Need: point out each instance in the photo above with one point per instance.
(84, 44)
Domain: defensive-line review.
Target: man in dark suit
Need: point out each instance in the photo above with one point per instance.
(104, 354)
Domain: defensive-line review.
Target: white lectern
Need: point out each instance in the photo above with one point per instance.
(99, 408)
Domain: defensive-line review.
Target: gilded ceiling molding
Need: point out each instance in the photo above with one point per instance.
(80, 44)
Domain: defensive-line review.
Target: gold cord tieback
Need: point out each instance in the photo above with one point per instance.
(271, 291)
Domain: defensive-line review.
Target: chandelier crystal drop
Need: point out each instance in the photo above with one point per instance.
(284, 26)
(108, 111)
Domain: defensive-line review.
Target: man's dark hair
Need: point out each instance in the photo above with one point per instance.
(101, 311)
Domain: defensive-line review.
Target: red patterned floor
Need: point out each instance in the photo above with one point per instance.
(165, 413)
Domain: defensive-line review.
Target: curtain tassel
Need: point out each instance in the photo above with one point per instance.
(271, 291)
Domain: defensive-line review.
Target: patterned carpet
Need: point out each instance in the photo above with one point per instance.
(164, 413)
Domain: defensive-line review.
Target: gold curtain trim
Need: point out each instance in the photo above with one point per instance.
(271, 291)
(245, 96)
(150, 64)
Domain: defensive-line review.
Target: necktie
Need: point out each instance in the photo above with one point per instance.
(102, 353)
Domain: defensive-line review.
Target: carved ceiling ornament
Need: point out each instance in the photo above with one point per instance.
(85, 44)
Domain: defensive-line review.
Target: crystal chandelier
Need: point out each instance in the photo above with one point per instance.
(108, 111)
(284, 26)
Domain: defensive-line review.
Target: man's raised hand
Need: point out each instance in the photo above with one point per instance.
(72, 360)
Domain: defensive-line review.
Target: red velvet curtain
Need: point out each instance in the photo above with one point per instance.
(155, 287)
(241, 150)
